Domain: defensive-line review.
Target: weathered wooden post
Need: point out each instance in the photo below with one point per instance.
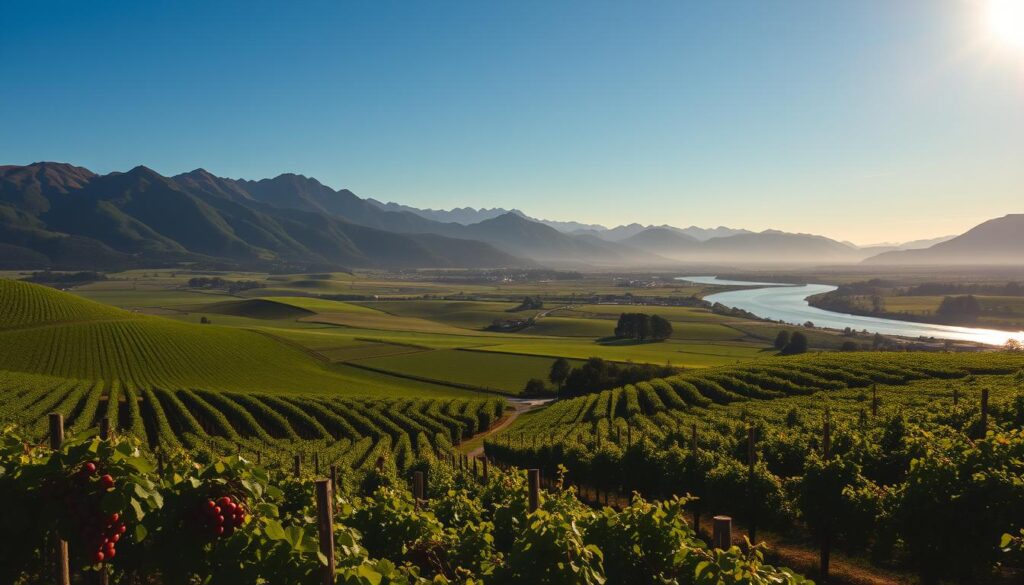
(297, 465)
(874, 400)
(325, 521)
(259, 458)
(417, 487)
(333, 471)
(316, 463)
(722, 534)
(475, 467)
(62, 570)
(956, 396)
(984, 412)
(693, 439)
(826, 436)
(751, 460)
(486, 477)
(534, 480)
(105, 428)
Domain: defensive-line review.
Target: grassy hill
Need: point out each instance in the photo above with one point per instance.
(48, 332)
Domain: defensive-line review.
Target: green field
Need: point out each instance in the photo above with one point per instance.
(484, 370)
(53, 333)
(465, 314)
(676, 353)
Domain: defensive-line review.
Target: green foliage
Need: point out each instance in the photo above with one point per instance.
(909, 484)
(472, 533)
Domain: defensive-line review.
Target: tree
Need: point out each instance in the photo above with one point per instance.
(661, 328)
(559, 371)
(782, 340)
(1013, 345)
(797, 344)
(849, 346)
(964, 309)
(535, 387)
(641, 326)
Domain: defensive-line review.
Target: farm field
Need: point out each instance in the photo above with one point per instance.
(677, 353)
(998, 311)
(485, 370)
(53, 333)
(464, 314)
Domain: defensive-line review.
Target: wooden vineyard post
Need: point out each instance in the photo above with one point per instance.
(417, 487)
(722, 533)
(874, 400)
(693, 453)
(325, 521)
(61, 568)
(159, 463)
(334, 481)
(826, 436)
(259, 458)
(956, 396)
(316, 463)
(297, 465)
(475, 467)
(751, 460)
(105, 428)
(984, 412)
(534, 477)
(485, 470)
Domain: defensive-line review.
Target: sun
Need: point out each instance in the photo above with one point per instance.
(1006, 21)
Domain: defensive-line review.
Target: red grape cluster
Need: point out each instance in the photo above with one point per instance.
(98, 530)
(223, 516)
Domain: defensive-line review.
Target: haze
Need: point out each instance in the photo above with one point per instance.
(868, 121)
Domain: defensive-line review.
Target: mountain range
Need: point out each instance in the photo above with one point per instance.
(996, 241)
(62, 216)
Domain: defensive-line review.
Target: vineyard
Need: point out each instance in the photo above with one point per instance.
(350, 433)
(915, 458)
(48, 332)
(113, 514)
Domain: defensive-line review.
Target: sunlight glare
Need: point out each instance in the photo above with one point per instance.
(1006, 21)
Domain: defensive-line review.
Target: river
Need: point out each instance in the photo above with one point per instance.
(788, 303)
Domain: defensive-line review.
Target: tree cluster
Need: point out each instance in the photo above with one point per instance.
(71, 278)
(793, 343)
(596, 374)
(231, 286)
(959, 309)
(641, 326)
(529, 303)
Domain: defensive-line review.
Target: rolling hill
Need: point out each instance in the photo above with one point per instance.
(47, 332)
(995, 242)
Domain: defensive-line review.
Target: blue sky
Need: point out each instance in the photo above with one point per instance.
(867, 121)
